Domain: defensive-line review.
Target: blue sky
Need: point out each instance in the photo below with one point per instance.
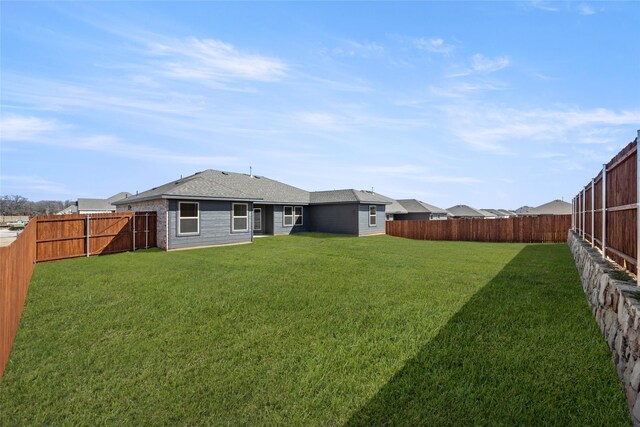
(491, 104)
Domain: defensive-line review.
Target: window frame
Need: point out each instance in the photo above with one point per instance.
(374, 216)
(257, 216)
(296, 216)
(180, 218)
(285, 216)
(233, 217)
(293, 217)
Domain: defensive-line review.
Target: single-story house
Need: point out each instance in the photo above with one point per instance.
(394, 209)
(495, 213)
(523, 210)
(420, 210)
(464, 211)
(555, 207)
(89, 206)
(213, 207)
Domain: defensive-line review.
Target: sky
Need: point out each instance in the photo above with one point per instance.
(490, 104)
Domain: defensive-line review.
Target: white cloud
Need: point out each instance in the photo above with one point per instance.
(52, 133)
(202, 59)
(435, 45)
(345, 119)
(482, 64)
(549, 155)
(116, 147)
(20, 183)
(440, 179)
(544, 5)
(488, 128)
(391, 170)
(585, 9)
(463, 89)
(21, 128)
(352, 48)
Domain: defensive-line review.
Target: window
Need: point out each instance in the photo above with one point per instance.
(240, 220)
(297, 215)
(292, 215)
(373, 216)
(257, 219)
(287, 217)
(188, 218)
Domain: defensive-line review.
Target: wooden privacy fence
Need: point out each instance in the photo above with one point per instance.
(605, 211)
(528, 229)
(70, 236)
(54, 237)
(16, 267)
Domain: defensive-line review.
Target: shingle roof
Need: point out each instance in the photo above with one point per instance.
(348, 196)
(417, 206)
(395, 208)
(555, 207)
(71, 209)
(523, 209)
(214, 184)
(119, 196)
(464, 211)
(493, 212)
(85, 205)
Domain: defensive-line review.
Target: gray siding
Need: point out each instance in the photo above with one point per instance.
(215, 226)
(338, 219)
(278, 228)
(363, 219)
(412, 216)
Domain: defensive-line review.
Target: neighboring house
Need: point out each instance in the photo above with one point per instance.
(71, 209)
(88, 206)
(487, 214)
(417, 209)
(393, 210)
(495, 213)
(214, 207)
(555, 207)
(507, 213)
(464, 211)
(523, 210)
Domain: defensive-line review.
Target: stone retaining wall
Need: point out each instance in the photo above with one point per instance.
(615, 302)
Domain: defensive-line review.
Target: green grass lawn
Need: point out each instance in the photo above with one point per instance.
(313, 329)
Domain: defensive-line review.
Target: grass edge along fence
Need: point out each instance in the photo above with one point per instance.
(16, 267)
(55, 237)
(605, 211)
(526, 229)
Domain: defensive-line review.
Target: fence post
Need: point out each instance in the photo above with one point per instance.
(133, 219)
(604, 211)
(593, 221)
(584, 211)
(146, 230)
(637, 210)
(88, 231)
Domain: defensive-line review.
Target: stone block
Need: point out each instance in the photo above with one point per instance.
(634, 377)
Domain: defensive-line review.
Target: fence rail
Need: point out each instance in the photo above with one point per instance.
(16, 267)
(605, 211)
(528, 229)
(54, 237)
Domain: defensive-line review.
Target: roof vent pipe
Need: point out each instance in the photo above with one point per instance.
(250, 171)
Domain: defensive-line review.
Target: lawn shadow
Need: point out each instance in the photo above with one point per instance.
(525, 350)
